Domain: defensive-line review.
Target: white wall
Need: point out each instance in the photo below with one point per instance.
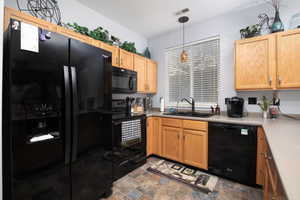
(1, 55)
(74, 11)
(227, 27)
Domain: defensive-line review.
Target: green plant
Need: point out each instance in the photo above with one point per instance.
(129, 46)
(100, 34)
(250, 31)
(265, 104)
(80, 29)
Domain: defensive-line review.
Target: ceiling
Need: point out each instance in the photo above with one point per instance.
(153, 17)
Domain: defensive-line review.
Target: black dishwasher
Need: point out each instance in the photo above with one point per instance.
(232, 152)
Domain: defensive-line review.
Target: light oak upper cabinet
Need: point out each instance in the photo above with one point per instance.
(115, 53)
(255, 63)
(126, 59)
(140, 66)
(151, 85)
(171, 142)
(288, 58)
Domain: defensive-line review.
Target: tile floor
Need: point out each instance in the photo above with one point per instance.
(143, 185)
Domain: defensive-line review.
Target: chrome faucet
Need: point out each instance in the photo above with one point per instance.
(192, 102)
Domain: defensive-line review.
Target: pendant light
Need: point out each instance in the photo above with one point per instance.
(183, 55)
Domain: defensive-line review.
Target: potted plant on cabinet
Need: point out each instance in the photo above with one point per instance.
(264, 105)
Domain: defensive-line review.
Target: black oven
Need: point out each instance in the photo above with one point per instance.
(129, 144)
(124, 81)
(129, 140)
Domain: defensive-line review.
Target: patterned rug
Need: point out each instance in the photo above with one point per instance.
(189, 176)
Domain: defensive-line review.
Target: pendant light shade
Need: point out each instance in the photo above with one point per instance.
(183, 55)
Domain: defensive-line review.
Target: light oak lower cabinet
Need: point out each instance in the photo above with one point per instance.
(273, 189)
(185, 141)
(261, 154)
(154, 138)
(195, 148)
(171, 139)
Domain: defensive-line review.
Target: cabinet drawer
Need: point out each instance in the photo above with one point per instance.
(195, 125)
(171, 122)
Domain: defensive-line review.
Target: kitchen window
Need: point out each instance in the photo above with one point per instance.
(198, 77)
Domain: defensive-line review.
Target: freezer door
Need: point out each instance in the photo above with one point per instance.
(91, 99)
(38, 138)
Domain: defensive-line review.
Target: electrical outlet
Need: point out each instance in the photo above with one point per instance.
(252, 100)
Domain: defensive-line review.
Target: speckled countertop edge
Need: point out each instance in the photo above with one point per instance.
(283, 137)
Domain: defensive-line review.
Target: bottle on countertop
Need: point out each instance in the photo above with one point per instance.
(218, 110)
(162, 104)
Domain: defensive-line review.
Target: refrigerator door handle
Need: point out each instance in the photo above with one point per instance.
(75, 113)
(67, 115)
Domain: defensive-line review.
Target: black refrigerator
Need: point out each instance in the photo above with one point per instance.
(56, 107)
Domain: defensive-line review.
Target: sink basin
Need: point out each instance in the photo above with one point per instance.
(190, 114)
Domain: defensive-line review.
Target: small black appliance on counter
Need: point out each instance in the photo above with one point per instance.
(235, 107)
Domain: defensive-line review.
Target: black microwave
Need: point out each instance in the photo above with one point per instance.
(124, 81)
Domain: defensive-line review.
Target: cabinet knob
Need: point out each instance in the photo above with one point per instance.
(279, 81)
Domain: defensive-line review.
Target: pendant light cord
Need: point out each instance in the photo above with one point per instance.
(183, 37)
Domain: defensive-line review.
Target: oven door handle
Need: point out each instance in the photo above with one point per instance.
(139, 160)
(130, 83)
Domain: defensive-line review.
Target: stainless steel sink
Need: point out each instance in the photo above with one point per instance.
(190, 114)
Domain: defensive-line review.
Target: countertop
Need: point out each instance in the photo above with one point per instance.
(283, 136)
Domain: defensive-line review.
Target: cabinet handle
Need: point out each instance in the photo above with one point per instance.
(178, 136)
(279, 81)
(184, 137)
(270, 81)
(269, 158)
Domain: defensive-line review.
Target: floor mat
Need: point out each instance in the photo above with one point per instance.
(189, 176)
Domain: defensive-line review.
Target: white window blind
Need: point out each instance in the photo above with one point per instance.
(198, 77)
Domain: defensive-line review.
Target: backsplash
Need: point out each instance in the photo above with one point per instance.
(136, 95)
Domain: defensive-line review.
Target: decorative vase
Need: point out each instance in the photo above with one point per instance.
(147, 53)
(265, 114)
(277, 25)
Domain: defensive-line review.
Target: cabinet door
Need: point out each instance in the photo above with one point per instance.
(261, 152)
(150, 140)
(288, 69)
(171, 142)
(115, 59)
(195, 148)
(140, 66)
(255, 63)
(126, 59)
(157, 139)
(151, 77)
